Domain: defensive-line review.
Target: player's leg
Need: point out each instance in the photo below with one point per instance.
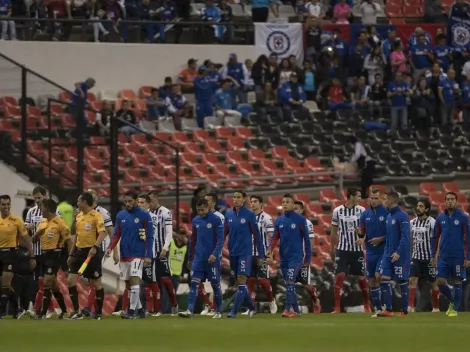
(201, 292)
(341, 267)
(253, 279)
(263, 279)
(8, 294)
(442, 274)
(38, 277)
(132, 273)
(152, 291)
(241, 268)
(94, 273)
(356, 268)
(290, 272)
(304, 279)
(428, 273)
(372, 263)
(386, 275)
(59, 297)
(457, 274)
(415, 274)
(91, 299)
(197, 275)
(435, 295)
(164, 276)
(75, 262)
(214, 279)
(402, 274)
(51, 267)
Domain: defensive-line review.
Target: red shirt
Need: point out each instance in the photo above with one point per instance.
(335, 93)
(59, 7)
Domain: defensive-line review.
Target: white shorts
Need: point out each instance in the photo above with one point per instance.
(131, 269)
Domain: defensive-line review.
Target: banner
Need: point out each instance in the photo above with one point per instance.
(458, 32)
(281, 39)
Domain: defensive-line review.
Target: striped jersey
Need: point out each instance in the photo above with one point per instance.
(163, 228)
(107, 222)
(421, 232)
(347, 219)
(265, 225)
(155, 228)
(34, 217)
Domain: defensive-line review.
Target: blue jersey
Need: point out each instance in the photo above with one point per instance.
(399, 99)
(398, 234)
(373, 223)
(5, 7)
(167, 11)
(207, 237)
(214, 78)
(441, 53)
(466, 93)
(291, 230)
(223, 99)
(76, 98)
(447, 85)
(211, 14)
(450, 236)
(286, 93)
(419, 55)
(243, 233)
(339, 45)
(202, 89)
(127, 229)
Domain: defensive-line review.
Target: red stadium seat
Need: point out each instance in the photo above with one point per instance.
(201, 136)
(138, 139)
(211, 159)
(91, 97)
(188, 159)
(327, 195)
(255, 155)
(212, 146)
(314, 209)
(8, 101)
(274, 201)
(65, 97)
(280, 153)
(282, 180)
(413, 11)
(235, 143)
(450, 187)
(336, 203)
(243, 132)
(127, 94)
(179, 138)
(223, 132)
(302, 197)
(325, 220)
(67, 121)
(427, 187)
(364, 203)
(33, 112)
(233, 157)
(268, 165)
(312, 163)
(166, 137)
(193, 148)
(396, 21)
(393, 11)
(396, 3)
(291, 163)
(145, 92)
(12, 112)
(436, 198)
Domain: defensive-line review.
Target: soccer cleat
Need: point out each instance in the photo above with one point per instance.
(294, 315)
(62, 316)
(174, 311)
(206, 310)
(86, 311)
(435, 310)
(118, 313)
(385, 314)
(411, 309)
(452, 313)
(376, 314)
(211, 313)
(31, 313)
(19, 314)
(273, 307)
(246, 312)
(251, 313)
(97, 317)
(130, 314)
(403, 314)
(186, 314)
(39, 317)
(50, 314)
(285, 314)
(75, 316)
(367, 309)
(336, 311)
(155, 314)
(451, 308)
(217, 316)
(232, 315)
(141, 314)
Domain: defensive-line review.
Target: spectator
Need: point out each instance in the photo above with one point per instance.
(365, 164)
(39, 10)
(204, 96)
(342, 12)
(213, 76)
(178, 106)
(57, 9)
(296, 68)
(260, 10)
(80, 98)
(284, 72)
(308, 77)
(338, 44)
(314, 9)
(443, 54)
(272, 72)
(466, 102)
(434, 12)
(260, 75)
(398, 58)
(165, 90)
(238, 71)
(5, 14)
(373, 37)
(459, 9)
(148, 11)
(374, 63)
(103, 119)
(355, 64)
(421, 58)
(378, 93)
(336, 96)
(388, 44)
(369, 12)
(268, 102)
(447, 91)
(414, 38)
(226, 13)
(292, 97)
(77, 9)
(156, 106)
(167, 13)
(212, 14)
(223, 99)
(433, 79)
(248, 79)
(313, 38)
(398, 91)
(186, 77)
(363, 40)
(126, 114)
(360, 95)
(98, 12)
(422, 105)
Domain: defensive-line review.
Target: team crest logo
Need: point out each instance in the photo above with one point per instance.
(381, 218)
(393, 222)
(209, 226)
(242, 220)
(278, 42)
(456, 222)
(136, 220)
(292, 226)
(87, 227)
(461, 34)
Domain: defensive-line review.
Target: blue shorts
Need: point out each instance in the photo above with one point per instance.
(290, 270)
(451, 268)
(240, 265)
(399, 270)
(202, 270)
(373, 265)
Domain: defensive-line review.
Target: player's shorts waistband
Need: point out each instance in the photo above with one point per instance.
(8, 249)
(83, 249)
(57, 250)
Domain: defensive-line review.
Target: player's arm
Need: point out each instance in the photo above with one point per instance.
(40, 231)
(219, 233)
(65, 234)
(23, 238)
(28, 221)
(226, 229)
(99, 223)
(150, 236)
(116, 235)
(308, 245)
(405, 236)
(256, 235)
(362, 233)
(269, 227)
(466, 239)
(168, 224)
(334, 230)
(435, 238)
(192, 245)
(274, 239)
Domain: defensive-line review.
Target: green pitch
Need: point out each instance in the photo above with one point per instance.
(325, 332)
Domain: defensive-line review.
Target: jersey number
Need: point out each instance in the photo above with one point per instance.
(398, 270)
(432, 271)
(290, 274)
(242, 265)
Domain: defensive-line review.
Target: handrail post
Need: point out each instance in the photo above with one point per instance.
(24, 113)
(80, 134)
(49, 145)
(114, 165)
(177, 188)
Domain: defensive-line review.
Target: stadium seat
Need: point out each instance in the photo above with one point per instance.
(302, 197)
(274, 201)
(427, 187)
(233, 157)
(413, 11)
(280, 153)
(12, 112)
(223, 133)
(145, 91)
(314, 209)
(255, 155)
(450, 187)
(127, 94)
(178, 138)
(436, 198)
(200, 135)
(8, 101)
(243, 132)
(392, 11)
(327, 195)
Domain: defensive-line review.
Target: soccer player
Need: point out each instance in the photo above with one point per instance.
(135, 230)
(12, 233)
(396, 258)
(240, 226)
(372, 233)
(348, 255)
(90, 232)
(163, 236)
(52, 233)
(209, 308)
(260, 273)
(449, 248)
(304, 275)
(205, 248)
(294, 249)
(108, 224)
(422, 228)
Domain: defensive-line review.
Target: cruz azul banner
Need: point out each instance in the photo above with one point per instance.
(282, 39)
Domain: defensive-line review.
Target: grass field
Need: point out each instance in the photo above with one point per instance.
(324, 332)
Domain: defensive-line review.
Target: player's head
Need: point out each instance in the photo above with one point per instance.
(375, 197)
(143, 201)
(299, 207)
(85, 201)
(239, 198)
(451, 200)
(392, 199)
(49, 208)
(211, 198)
(202, 207)
(5, 204)
(353, 196)
(287, 202)
(39, 194)
(256, 203)
(423, 208)
(95, 196)
(384, 199)
(154, 199)
(130, 200)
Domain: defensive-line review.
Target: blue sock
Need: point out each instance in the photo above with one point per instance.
(217, 297)
(293, 298)
(239, 298)
(457, 296)
(288, 304)
(375, 295)
(248, 301)
(387, 294)
(445, 290)
(193, 295)
(405, 293)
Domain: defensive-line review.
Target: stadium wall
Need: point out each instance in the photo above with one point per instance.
(15, 185)
(114, 66)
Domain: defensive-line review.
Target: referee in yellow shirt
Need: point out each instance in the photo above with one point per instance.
(53, 233)
(89, 234)
(12, 233)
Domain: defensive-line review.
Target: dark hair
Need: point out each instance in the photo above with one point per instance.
(375, 190)
(132, 194)
(213, 196)
(298, 202)
(5, 197)
(393, 194)
(351, 192)
(396, 44)
(281, 66)
(202, 203)
(145, 196)
(243, 193)
(39, 189)
(153, 193)
(153, 90)
(87, 198)
(50, 204)
(259, 198)
(427, 205)
(288, 195)
(451, 194)
(227, 80)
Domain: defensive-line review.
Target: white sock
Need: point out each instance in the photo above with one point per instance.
(139, 304)
(135, 297)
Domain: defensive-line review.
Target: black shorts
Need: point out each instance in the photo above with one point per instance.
(148, 273)
(259, 271)
(422, 270)
(349, 262)
(7, 260)
(94, 269)
(304, 276)
(162, 267)
(51, 262)
(39, 269)
(63, 259)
